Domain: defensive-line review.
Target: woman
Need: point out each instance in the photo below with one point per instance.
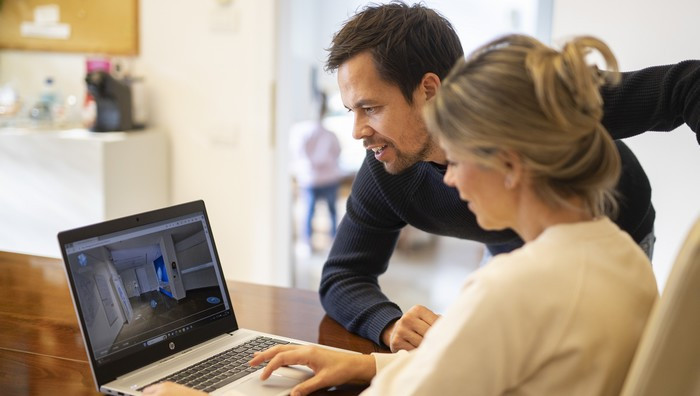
(561, 315)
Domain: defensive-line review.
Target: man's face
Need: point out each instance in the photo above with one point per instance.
(384, 120)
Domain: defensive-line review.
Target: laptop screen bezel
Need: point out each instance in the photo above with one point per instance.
(107, 372)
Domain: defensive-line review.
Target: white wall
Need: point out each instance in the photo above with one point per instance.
(645, 33)
(209, 71)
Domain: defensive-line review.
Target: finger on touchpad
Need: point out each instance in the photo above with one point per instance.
(298, 372)
(280, 382)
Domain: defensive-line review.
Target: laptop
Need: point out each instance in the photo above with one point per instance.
(152, 304)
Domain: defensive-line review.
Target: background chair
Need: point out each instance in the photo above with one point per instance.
(667, 361)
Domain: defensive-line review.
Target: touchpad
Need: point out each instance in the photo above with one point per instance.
(280, 382)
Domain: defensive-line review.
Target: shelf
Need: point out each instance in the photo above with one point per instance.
(54, 180)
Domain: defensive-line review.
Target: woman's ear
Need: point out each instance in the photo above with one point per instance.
(513, 166)
(429, 84)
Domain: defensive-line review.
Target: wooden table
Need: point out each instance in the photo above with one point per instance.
(42, 351)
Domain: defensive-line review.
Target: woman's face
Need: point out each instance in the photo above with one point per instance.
(483, 188)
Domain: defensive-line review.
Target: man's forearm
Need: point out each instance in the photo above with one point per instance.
(657, 98)
(357, 304)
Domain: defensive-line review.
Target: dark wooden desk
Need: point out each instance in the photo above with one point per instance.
(42, 351)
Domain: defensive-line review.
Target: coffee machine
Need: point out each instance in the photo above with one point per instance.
(113, 101)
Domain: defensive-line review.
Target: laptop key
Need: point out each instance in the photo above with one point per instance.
(230, 379)
(223, 368)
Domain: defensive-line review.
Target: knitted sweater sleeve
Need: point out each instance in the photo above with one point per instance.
(364, 242)
(657, 98)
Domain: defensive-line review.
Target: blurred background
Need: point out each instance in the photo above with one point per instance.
(217, 86)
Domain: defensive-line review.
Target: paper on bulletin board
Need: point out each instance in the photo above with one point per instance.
(95, 26)
(56, 31)
(46, 24)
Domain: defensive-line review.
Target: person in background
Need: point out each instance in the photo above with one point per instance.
(390, 60)
(315, 155)
(562, 314)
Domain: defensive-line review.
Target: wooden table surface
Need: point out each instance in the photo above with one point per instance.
(42, 351)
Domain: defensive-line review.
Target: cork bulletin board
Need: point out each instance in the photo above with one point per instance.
(91, 26)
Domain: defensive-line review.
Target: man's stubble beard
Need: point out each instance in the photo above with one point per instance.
(404, 161)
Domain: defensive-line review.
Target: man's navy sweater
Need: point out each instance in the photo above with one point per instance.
(380, 204)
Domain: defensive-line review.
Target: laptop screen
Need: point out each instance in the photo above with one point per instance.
(143, 286)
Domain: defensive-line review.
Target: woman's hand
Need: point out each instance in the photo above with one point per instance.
(171, 389)
(330, 367)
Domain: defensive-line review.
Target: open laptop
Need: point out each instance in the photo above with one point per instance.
(152, 302)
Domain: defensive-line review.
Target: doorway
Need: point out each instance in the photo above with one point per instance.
(305, 30)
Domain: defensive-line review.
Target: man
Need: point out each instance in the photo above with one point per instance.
(390, 61)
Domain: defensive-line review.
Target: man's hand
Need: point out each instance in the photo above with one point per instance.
(330, 367)
(408, 332)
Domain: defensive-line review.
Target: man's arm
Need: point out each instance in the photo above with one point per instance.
(658, 98)
(365, 241)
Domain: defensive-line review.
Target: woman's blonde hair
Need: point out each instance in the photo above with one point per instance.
(516, 93)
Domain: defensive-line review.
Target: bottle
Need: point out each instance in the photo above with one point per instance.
(9, 101)
(70, 114)
(48, 94)
(89, 111)
(48, 108)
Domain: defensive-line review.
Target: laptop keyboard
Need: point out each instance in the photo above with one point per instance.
(222, 369)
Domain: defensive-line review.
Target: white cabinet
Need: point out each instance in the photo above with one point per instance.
(55, 180)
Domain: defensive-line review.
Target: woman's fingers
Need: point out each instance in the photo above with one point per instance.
(278, 356)
(310, 385)
(268, 354)
(329, 367)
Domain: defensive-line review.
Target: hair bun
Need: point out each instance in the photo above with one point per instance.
(570, 69)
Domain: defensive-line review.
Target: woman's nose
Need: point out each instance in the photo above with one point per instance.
(447, 179)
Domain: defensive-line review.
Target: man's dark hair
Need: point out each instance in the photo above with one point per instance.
(405, 42)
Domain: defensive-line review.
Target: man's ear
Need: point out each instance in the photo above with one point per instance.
(429, 84)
